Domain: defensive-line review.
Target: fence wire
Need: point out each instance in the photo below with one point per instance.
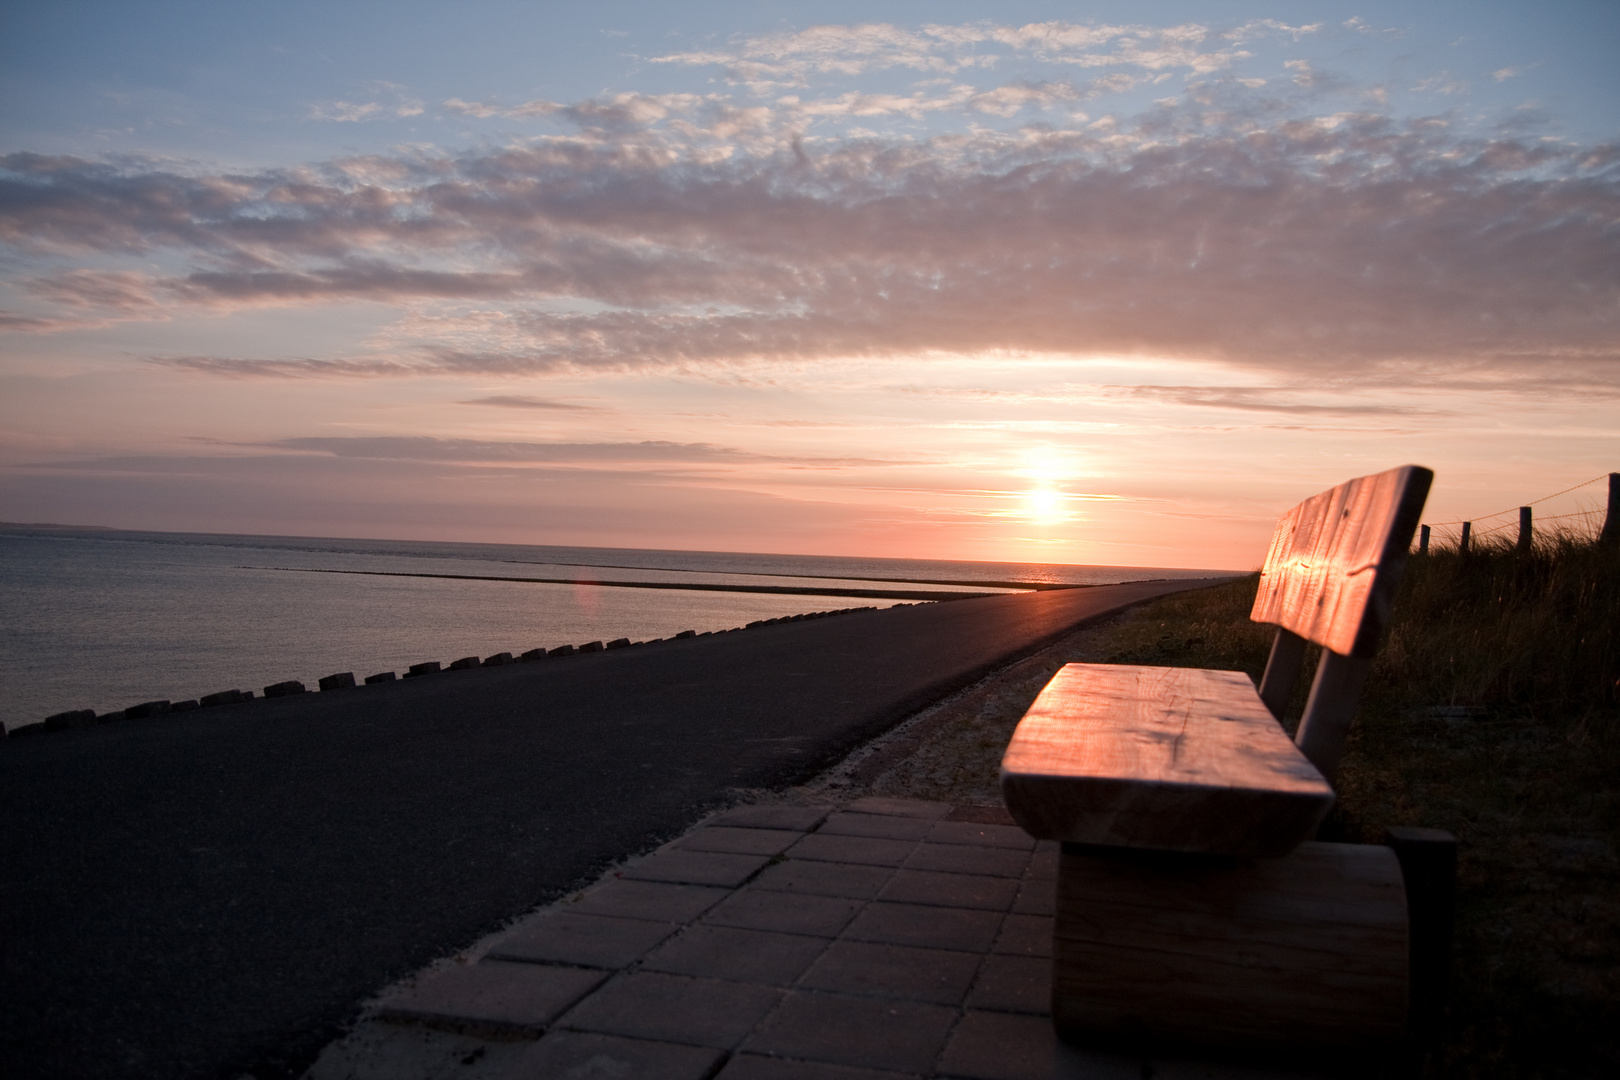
(1514, 510)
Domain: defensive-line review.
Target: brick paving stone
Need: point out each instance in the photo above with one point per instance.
(797, 818)
(696, 868)
(567, 937)
(1021, 984)
(655, 900)
(877, 1033)
(1043, 865)
(951, 890)
(785, 912)
(824, 879)
(870, 850)
(1006, 1046)
(737, 841)
(896, 971)
(492, 998)
(755, 1067)
(674, 1008)
(1036, 897)
(1025, 935)
(917, 808)
(725, 952)
(882, 825)
(582, 1055)
(960, 929)
(967, 859)
(968, 832)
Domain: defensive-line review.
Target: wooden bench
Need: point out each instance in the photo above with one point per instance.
(1192, 903)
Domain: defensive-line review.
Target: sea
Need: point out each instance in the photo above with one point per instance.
(103, 618)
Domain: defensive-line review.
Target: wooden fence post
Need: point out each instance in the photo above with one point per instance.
(1423, 540)
(1462, 544)
(1524, 530)
(1611, 521)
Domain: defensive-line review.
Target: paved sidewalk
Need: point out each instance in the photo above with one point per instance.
(884, 940)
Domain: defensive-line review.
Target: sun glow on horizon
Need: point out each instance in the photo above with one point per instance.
(1050, 470)
(1046, 506)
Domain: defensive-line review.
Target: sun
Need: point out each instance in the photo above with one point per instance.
(1045, 506)
(1047, 470)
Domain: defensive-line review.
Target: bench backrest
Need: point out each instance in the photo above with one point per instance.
(1330, 578)
(1336, 559)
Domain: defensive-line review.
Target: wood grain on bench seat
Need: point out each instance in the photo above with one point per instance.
(1176, 759)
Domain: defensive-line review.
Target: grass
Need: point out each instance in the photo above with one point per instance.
(1527, 785)
(1492, 711)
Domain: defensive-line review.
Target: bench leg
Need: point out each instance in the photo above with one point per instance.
(1428, 860)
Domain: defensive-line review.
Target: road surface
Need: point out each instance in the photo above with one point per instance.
(211, 893)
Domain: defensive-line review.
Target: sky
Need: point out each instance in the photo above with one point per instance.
(1110, 283)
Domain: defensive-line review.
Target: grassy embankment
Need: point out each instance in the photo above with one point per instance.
(1527, 649)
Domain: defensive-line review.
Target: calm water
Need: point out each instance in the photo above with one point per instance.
(104, 619)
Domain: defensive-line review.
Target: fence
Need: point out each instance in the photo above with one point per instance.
(1466, 534)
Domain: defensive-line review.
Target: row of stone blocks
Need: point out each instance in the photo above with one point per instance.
(80, 718)
(811, 615)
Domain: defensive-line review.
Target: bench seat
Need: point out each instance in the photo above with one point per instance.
(1173, 759)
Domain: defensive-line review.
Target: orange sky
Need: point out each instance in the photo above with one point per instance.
(1094, 293)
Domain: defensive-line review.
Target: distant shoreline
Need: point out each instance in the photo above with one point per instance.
(61, 528)
(685, 586)
(1153, 571)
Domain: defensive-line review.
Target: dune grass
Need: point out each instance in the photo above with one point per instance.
(1530, 646)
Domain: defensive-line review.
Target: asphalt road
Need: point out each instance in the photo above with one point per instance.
(213, 893)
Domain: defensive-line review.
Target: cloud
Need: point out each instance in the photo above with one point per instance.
(507, 453)
(523, 401)
(789, 58)
(793, 58)
(402, 106)
(1236, 226)
(33, 324)
(621, 112)
(1260, 28)
(424, 448)
(1443, 83)
(116, 292)
(293, 368)
(1358, 25)
(345, 112)
(1008, 100)
(1263, 399)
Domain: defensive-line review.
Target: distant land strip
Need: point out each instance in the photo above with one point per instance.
(695, 586)
(1028, 586)
(53, 525)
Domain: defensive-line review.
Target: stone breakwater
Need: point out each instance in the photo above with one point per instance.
(345, 680)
